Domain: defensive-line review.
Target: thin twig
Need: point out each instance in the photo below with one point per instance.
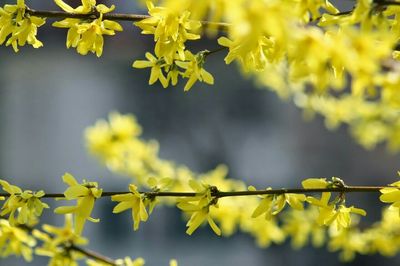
(342, 13)
(386, 3)
(222, 48)
(220, 194)
(109, 16)
(92, 254)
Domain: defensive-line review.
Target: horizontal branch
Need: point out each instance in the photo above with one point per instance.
(387, 3)
(109, 16)
(220, 194)
(93, 255)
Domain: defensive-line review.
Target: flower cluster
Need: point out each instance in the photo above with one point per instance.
(15, 21)
(392, 195)
(170, 29)
(191, 68)
(324, 220)
(199, 207)
(15, 241)
(298, 46)
(56, 243)
(334, 212)
(271, 205)
(26, 203)
(87, 36)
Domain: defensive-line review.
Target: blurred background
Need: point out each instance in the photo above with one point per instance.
(49, 95)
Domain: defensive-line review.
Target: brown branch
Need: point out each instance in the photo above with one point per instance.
(109, 16)
(386, 3)
(219, 194)
(92, 254)
(342, 13)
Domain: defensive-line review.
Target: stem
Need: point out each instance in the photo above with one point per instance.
(109, 16)
(220, 194)
(346, 189)
(342, 13)
(215, 51)
(92, 254)
(386, 3)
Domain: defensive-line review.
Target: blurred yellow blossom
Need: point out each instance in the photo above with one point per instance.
(130, 262)
(56, 241)
(302, 226)
(392, 195)
(15, 241)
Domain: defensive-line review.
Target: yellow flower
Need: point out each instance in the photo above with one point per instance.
(315, 183)
(343, 217)
(301, 226)
(265, 51)
(273, 204)
(265, 231)
(313, 7)
(173, 262)
(85, 8)
(392, 195)
(55, 242)
(330, 213)
(87, 36)
(102, 138)
(27, 203)
(134, 201)
(156, 185)
(21, 26)
(156, 65)
(199, 207)
(129, 262)
(349, 242)
(171, 30)
(193, 66)
(85, 194)
(15, 241)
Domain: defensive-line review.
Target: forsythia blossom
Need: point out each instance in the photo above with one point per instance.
(274, 204)
(27, 203)
(156, 65)
(87, 36)
(331, 212)
(392, 195)
(135, 201)
(19, 25)
(85, 194)
(302, 226)
(319, 221)
(56, 241)
(15, 241)
(170, 29)
(199, 207)
(130, 262)
(193, 66)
